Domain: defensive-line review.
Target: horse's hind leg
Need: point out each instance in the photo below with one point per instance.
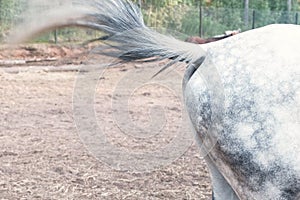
(221, 189)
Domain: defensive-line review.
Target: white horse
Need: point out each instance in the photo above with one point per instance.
(242, 94)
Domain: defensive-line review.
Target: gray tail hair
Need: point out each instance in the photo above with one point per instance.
(121, 21)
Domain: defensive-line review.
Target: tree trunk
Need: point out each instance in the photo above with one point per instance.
(289, 5)
(246, 12)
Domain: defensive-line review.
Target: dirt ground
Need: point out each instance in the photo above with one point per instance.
(44, 154)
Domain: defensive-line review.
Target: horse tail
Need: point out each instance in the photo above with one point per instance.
(121, 21)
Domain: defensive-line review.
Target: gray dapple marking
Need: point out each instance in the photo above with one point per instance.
(256, 125)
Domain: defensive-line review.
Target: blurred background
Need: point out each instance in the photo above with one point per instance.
(204, 18)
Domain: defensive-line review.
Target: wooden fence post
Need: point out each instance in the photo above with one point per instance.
(253, 19)
(55, 36)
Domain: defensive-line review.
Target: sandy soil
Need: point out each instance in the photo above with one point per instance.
(44, 154)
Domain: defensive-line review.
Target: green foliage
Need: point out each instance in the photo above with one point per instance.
(260, 4)
(220, 15)
(180, 15)
(217, 20)
(190, 22)
(7, 9)
(168, 17)
(9, 12)
(164, 3)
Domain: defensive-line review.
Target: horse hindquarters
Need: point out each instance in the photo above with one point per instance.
(244, 102)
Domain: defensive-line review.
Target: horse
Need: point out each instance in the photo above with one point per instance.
(242, 94)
